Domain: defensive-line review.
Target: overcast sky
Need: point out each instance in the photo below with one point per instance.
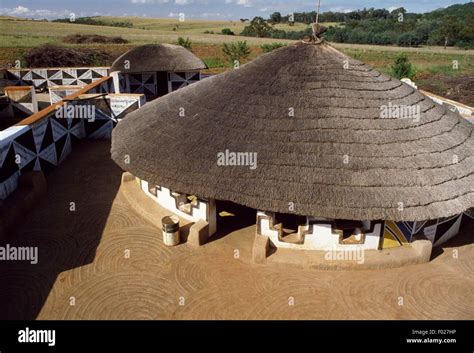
(203, 9)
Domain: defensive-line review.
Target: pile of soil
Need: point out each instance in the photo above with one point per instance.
(459, 89)
(93, 38)
(58, 56)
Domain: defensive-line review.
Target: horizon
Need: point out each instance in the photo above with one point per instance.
(200, 9)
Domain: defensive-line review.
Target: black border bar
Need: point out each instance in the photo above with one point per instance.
(241, 336)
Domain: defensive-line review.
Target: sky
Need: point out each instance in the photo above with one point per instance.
(200, 9)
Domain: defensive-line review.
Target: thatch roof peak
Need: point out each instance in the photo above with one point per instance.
(313, 116)
(157, 57)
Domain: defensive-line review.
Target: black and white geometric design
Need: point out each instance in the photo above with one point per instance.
(57, 94)
(42, 78)
(179, 80)
(144, 83)
(446, 229)
(9, 170)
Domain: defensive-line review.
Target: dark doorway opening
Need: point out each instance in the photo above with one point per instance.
(232, 216)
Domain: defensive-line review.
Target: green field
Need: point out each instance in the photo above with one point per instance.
(18, 36)
(27, 33)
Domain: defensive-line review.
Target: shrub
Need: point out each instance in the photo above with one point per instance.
(186, 43)
(408, 39)
(402, 67)
(228, 32)
(464, 44)
(214, 62)
(58, 56)
(236, 51)
(270, 47)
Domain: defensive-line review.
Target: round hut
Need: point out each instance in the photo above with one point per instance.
(156, 69)
(329, 152)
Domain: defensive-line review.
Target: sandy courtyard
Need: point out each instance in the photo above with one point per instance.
(108, 262)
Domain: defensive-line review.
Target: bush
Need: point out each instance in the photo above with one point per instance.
(58, 56)
(186, 43)
(270, 47)
(96, 22)
(402, 67)
(383, 39)
(228, 32)
(92, 38)
(213, 63)
(408, 39)
(236, 51)
(464, 44)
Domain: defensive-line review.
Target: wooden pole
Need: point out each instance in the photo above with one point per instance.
(317, 13)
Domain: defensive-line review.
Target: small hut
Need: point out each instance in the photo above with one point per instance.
(156, 70)
(351, 155)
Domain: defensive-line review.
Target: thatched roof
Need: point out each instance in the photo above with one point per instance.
(391, 162)
(158, 57)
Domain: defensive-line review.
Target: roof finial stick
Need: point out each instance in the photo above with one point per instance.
(317, 13)
(317, 29)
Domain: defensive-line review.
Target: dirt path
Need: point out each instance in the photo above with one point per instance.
(82, 259)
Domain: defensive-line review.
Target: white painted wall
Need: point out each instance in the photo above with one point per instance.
(203, 210)
(321, 238)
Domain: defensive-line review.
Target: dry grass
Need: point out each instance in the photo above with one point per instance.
(17, 37)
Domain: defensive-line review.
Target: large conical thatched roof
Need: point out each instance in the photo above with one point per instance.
(157, 57)
(398, 169)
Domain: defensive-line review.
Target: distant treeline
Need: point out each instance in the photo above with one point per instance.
(451, 26)
(95, 22)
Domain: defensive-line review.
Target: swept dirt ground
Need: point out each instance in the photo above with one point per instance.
(82, 261)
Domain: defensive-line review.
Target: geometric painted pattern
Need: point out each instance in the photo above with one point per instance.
(446, 229)
(46, 143)
(396, 234)
(437, 231)
(43, 78)
(156, 84)
(179, 80)
(57, 94)
(144, 83)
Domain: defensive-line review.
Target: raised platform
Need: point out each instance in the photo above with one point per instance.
(417, 252)
(82, 255)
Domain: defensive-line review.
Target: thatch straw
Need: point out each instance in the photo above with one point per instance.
(397, 169)
(157, 57)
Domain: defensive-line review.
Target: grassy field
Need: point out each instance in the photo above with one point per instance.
(25, 33)
(17, 37)
(190, 26)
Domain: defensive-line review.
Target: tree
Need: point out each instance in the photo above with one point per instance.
(275, 17)
(236, 51)
(449, 29)
(467, 34)
(402, 67)
(396, 13)
(408, 39)
(258, 28)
